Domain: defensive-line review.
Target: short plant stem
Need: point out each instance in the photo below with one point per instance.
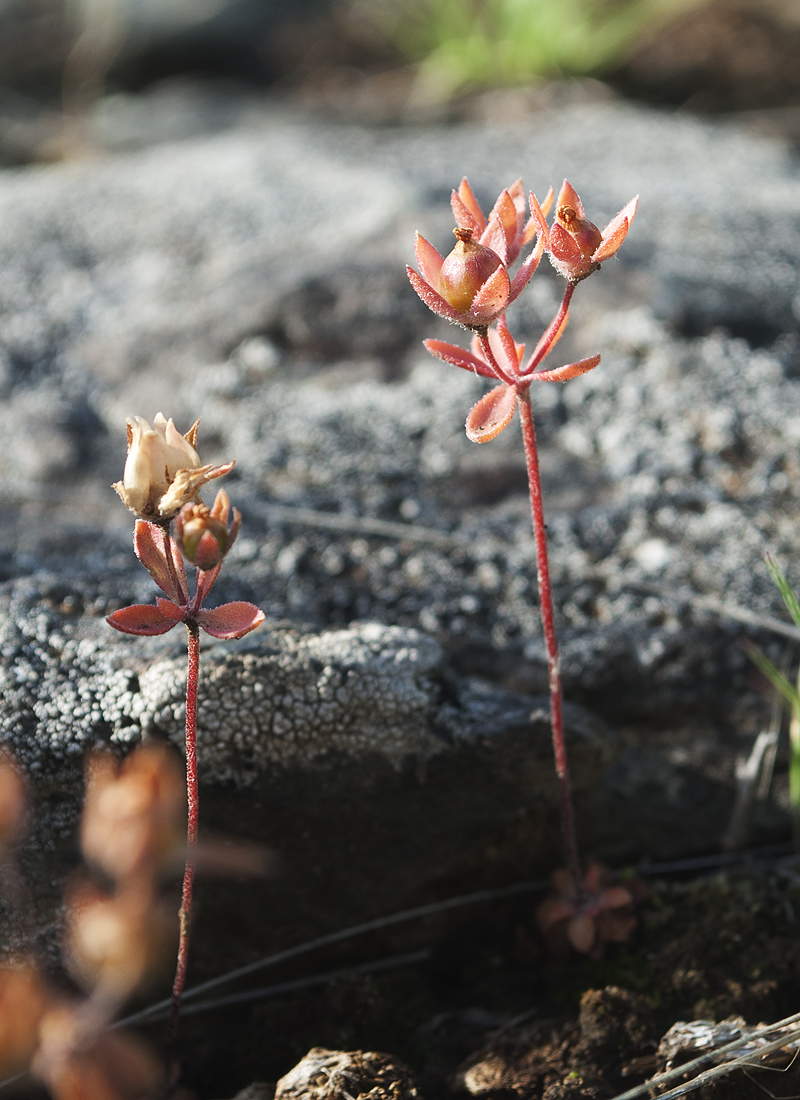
(551, 333)
(184, 915)
(551, 641)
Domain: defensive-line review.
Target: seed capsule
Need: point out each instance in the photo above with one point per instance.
(465, 270)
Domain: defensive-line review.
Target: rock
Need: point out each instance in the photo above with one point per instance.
(337, 1075)
(255, 278)
(371, 771)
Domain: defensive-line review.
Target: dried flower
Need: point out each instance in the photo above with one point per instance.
(163, 470)
(206, 535)
(577, 247)
(133, 813)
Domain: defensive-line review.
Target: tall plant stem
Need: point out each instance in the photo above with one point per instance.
(184, 915)
(551, 641)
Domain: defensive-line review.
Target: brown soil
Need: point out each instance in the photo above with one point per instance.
(492, 1015)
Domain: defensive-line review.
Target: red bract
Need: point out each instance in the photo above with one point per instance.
(502, 360)
(484, 290)
(507, 229)
(161, 558)
(577, 247)
(591, 915)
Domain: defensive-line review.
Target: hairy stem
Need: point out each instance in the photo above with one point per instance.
(550, 334)
(551, 641)
(171, 562)
(184, 914)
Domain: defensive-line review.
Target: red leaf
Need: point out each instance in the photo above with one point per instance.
(148, 542)
(459, 357)
(491, 414)
(563, 374)
(140, 618)
(170, 610)
(232, 620)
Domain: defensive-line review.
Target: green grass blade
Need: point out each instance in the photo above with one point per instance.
(775, 677)
(780, 582)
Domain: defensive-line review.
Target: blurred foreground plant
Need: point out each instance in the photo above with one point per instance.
(471, 287)
(789, 692)
(485, 43)
(161, 483)
(117, 932)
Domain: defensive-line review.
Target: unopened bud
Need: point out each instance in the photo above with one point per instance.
(585, 233)
(206, 535)
(465, 270)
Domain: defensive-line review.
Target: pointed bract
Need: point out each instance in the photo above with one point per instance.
(148, 544)
(430, 260)
(577, 247)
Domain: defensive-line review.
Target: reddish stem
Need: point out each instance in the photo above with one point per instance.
(193, 632)
(551, 641)
(546, 595)
(551, 332)
(173, 572)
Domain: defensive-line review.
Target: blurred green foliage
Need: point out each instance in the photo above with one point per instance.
(490, 43)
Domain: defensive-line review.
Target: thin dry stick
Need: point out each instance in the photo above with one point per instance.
(338, 937)
(193, 634)
(660, 1079)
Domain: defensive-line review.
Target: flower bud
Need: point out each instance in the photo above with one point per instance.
(465, 270)
(585, 233)
(206, 535)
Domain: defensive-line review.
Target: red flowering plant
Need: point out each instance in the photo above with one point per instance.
(161, 485)
(472, 287)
